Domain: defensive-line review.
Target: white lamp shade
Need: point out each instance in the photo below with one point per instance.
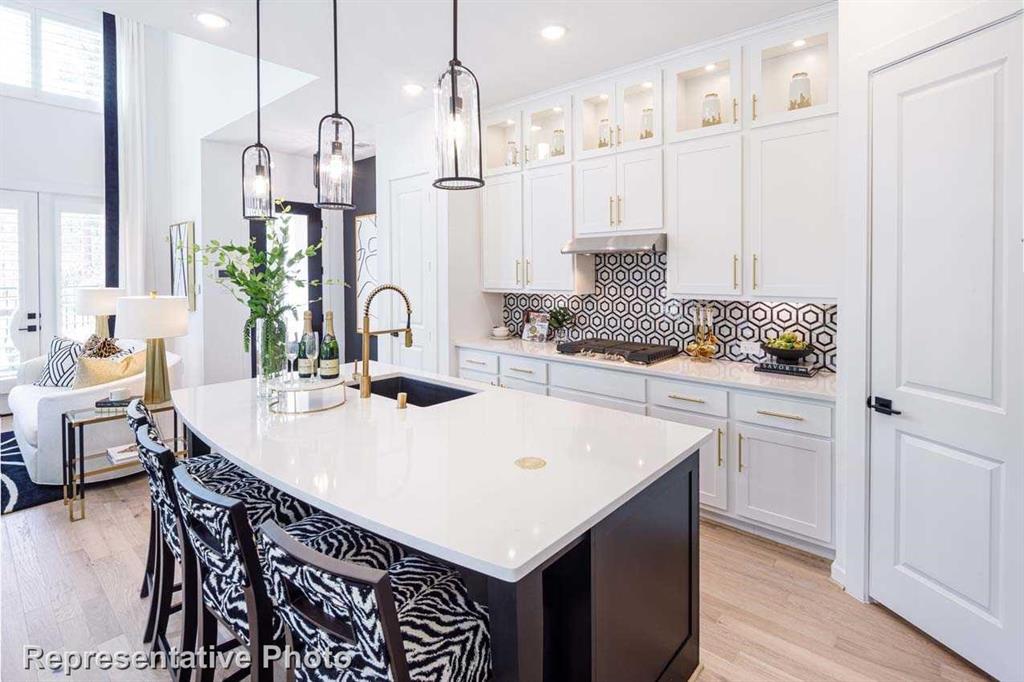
(151, 317)
(97, 300)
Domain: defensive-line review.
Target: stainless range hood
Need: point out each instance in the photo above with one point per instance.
(624, 243)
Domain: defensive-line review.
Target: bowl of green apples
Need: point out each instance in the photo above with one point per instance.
(788, 348)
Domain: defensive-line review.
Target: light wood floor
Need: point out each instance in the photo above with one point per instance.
(767, 612)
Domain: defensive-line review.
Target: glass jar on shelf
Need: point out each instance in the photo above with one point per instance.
(799, 91)
(604, 134)
(558, 142)
(712, 113)
(647, 123)
(511, 154)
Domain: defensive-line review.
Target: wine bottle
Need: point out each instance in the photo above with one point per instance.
(329, 367)
(305, 364)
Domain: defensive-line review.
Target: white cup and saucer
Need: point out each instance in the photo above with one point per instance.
(500, 332)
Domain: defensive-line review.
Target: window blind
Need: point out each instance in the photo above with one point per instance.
(15, 47)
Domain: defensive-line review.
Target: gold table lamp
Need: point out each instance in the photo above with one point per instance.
(153, 318)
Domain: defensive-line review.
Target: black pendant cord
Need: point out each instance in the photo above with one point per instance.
(455, 31)
(258, 122)
(336, 58)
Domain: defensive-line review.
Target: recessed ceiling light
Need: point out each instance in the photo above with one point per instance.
(535, 128)
(211, 20)
(553, 32)
(510, 122)
(557, 110)
(709, 67)
(603, 96)
(799, 43)
(647, 85)
(412, 89)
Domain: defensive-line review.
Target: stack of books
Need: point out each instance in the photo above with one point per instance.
(122, 453)
(108, 406)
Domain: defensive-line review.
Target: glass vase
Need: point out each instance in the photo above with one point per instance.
(271, 336)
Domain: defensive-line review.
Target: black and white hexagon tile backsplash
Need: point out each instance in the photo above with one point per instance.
(630, 303)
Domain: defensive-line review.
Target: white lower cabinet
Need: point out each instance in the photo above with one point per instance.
(784, 480)
(768, 466)
(714, 460)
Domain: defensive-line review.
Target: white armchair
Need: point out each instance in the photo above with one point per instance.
(37, 411)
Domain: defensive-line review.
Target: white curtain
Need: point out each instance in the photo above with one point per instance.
(131, 153)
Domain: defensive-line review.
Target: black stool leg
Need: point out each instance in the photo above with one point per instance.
(207, 638)
(191, 603)
(154, 599)
(147, 576)
(164, 590)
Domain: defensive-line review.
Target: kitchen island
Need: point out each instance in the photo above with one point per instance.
(575, 524)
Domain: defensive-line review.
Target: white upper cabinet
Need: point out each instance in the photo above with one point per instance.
(639, 187)
(595, 195)
(618, 115)
(704, 216)
(621, 192)
(547, 131)
(503, 142)
(791, 210)
(703, 95)
(547, 226)
(501, 236)
(792, 73)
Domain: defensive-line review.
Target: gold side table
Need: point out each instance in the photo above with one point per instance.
(73, 425)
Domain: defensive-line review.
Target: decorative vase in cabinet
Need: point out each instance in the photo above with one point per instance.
(799, 91)
(712, 112)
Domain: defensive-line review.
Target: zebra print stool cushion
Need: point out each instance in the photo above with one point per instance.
(444, 632)
(334, 537)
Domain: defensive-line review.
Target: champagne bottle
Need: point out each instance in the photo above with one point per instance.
(329, 367)
(305, 364)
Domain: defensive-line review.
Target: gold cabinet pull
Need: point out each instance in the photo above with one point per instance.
(618, 130)
(520, 369)
(687, 398)
(517, 270)
(735, 108)
(619, 211)
(528, 279)
(755, 270)
(781, 415)
(611, 209)
(719, 447)
(753, 111)
(740, 451)
(475, 362)
(735, 272)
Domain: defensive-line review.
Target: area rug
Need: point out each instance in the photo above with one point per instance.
(17, 491)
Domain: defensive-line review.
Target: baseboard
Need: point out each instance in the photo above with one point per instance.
(780, 538)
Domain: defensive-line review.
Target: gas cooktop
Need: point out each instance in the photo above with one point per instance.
(628, 351)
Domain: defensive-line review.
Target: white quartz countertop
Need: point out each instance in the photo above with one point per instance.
(822, 386)
(443, 479)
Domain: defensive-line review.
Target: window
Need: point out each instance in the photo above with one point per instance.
(9, 281)
(82, 264)
(52, 58)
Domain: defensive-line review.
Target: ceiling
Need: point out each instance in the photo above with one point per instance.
(385, 43)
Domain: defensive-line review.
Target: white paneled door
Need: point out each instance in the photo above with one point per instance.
(414, 248)
(501, 234)
(947, 458)
(547, 226)
(20, 330)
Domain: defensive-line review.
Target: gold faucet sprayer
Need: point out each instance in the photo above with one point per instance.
(364, 377)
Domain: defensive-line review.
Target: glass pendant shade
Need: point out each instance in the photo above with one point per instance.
(332, 163)
(257, 203)
(457, 128)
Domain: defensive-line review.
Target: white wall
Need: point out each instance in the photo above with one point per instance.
(865, 28)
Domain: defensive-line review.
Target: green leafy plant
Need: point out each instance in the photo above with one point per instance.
(559, 318)
(259, 278)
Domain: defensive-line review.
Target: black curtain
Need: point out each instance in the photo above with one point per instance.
(364, 196)
(314, 233)
(111, 181)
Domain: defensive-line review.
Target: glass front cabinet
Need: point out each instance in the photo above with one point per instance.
(618, 115)
(503, 143)
(792, 74)
(547, 131)
(703, 95)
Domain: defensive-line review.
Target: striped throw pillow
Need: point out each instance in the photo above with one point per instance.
(59, 369)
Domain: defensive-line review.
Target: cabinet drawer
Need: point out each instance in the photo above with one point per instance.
(478, 361)
(520, 385)
(693, 397)
(483, 378)
(525, 369)
(783, 414)
(599, 381)
(600, 401)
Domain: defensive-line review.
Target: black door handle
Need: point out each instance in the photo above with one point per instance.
(30, 328)
(882, 406)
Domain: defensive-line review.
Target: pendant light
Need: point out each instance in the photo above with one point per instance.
(457, 122)
(256, 193)
(335, 142)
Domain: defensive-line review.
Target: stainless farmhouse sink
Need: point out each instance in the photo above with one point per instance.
(419, 392)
